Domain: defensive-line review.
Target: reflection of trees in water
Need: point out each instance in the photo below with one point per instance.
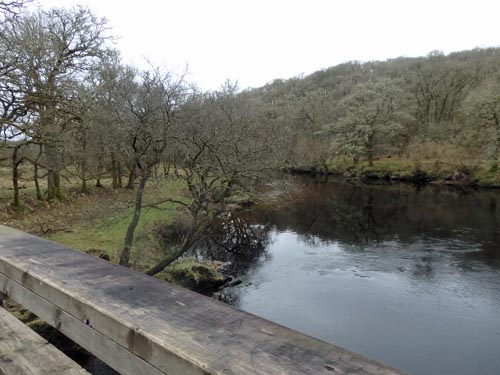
(310, 240)
(233, 239)
(359, 214)
(359, 217)
(419, 233)
(347, 212)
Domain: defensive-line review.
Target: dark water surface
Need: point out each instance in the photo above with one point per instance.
(407, 276)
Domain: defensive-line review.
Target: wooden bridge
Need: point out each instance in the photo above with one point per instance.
(140, 325)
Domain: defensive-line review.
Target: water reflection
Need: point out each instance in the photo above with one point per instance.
(408, 276)
(361, 216)
(237, 241)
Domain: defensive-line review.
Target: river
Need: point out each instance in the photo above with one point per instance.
(409, 276)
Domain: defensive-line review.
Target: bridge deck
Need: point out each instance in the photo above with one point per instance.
(23, 352)
(141, 325)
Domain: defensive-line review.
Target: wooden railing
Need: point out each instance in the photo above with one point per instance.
(140, 325)
(23, 352)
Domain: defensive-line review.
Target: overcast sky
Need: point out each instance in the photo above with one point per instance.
(256, 41)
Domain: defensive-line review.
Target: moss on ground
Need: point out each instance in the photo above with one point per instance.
(25, 316)
(190, 273)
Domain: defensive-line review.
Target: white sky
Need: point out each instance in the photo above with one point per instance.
(256, 41)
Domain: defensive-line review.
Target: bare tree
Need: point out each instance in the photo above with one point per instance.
(152, 101)
(482, 109)
(374, 111)
(53, 49)
(110, 81)
(11, 8)
(439, 85)
(221, 147)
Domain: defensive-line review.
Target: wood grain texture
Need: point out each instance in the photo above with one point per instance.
(23, 352)
(116, 356)
(177, 331)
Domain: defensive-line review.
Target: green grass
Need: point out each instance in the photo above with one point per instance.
(438, 171)
(488, 178)
(95, 220)
(382, 165)
(27, 189)
(106, 232)
(392, 164)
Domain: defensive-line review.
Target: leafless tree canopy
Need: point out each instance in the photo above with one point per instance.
(12, 8)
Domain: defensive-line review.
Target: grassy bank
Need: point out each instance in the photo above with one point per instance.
(397, 169)
(95, 221)
(105, 228)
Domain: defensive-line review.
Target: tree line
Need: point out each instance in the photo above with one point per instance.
(408, 107)
(70, 106)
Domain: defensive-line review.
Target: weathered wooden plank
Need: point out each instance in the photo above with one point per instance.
(174, 330)
(115, 355)
(23, 352)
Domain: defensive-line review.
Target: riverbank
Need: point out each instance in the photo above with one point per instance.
(401, 170)
(96, 222)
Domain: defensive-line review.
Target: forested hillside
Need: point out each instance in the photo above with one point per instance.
(442, 108)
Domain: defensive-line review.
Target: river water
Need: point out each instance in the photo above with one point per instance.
(404, 275)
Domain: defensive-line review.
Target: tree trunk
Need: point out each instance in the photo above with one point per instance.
(172, 256)
(85, 188)
(37, 182)
(119, 173)
(47, 121)
(50, 185)
(15, 177)
(83, 165)
(53, 185)
(83, 176)
(194, 238)
(114, 172)
(370, 157)
(129, 236)
(132, 176)
(369, 149)
(53, 177)
(35, 174)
